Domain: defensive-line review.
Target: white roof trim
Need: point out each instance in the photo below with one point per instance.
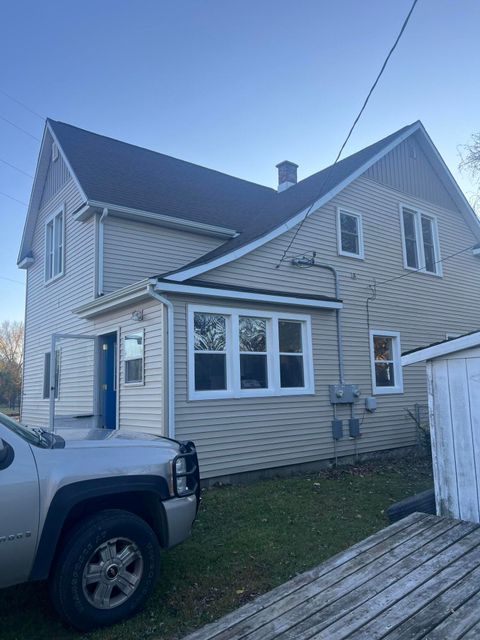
(148, 216)
(443, 349)
(43, 163)
(212, 292)
(191, 272)
(120, 298)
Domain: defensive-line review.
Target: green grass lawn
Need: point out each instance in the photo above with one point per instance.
(246, 541)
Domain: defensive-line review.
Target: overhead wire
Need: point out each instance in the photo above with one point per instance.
(2, 193)
(13, 166)
(22, 104)
(19, 128)
(410, 272)
(357, 118)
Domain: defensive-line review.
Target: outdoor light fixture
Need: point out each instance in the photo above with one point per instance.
(137, 316)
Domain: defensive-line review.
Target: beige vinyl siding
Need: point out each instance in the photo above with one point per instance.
(423, 308)
(57, 176)
(140, 406)
(49, 310)
(407, 169)
(134, 250)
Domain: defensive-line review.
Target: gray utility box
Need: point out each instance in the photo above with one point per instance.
(344, 393)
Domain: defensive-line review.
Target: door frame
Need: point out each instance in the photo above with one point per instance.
(53, 367)
(100, 372)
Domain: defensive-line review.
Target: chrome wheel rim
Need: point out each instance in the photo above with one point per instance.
(112, 573)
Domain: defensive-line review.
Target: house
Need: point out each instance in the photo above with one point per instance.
(453, 380)
(265, 324)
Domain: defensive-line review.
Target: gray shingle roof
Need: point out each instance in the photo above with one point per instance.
(122, 174)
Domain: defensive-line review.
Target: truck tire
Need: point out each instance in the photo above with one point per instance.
(106, 569)
(422, 502)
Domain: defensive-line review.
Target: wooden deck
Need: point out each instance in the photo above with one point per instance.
(418, 578)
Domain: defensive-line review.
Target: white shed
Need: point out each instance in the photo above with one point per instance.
(453, 373)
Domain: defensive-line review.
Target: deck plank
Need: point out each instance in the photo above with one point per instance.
(417, 579)
(213, 629)
(362, 615)
(333, 600)
(421, 597)
(321, 615)
(370, 562)
(459, 621)
(438, 610)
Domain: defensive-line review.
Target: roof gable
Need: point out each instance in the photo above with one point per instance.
(407, 168)
(111, 173)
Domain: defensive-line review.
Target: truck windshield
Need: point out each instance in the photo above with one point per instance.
(38, 437)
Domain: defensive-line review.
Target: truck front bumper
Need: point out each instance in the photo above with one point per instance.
(180, 514)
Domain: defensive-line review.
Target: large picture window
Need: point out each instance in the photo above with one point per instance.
(54, 246)
(385, 352)
(421, 249)
(236, 353)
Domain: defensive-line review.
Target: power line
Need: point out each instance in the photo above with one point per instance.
(19, 128)
(9, 164)
(12, 198)
(22, 104)
(372, 89)
(12, 280)
(409, 273)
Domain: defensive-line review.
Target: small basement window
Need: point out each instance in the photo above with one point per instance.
(349, 234)
(134, 357)
(385, 352)
(237, 353)
(46, 374)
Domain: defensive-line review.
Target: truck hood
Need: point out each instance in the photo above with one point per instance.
(79, 438)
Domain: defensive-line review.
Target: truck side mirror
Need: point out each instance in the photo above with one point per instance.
(6, 454)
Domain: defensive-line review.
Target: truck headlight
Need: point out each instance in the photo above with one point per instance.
(180, 471)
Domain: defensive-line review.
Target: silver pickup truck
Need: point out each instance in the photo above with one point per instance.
(90, 511)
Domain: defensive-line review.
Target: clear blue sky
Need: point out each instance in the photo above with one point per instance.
(236, 86)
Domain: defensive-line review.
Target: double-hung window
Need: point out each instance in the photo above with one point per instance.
(237, 353)
(385, 352)
(54, 246)
(349, 233)
(133, 358)
(421, 249)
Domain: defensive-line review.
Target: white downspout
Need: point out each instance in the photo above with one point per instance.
(170, 358)
(101, 235)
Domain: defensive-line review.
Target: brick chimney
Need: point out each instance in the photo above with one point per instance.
(287, 174)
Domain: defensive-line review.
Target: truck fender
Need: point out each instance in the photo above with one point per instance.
(71, 495)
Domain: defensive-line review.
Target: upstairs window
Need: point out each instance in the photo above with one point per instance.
(386, 367)
(349, 234)
(236, 353)
(421, 250)
(54, 246)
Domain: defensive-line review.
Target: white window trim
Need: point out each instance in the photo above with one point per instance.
(361, 251)
(134, 383)
(419, 241)
(57, 212)
(397, 353)
(233, 363)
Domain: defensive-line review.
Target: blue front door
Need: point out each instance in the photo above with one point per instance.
(109, 380)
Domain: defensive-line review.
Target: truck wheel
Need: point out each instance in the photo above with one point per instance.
(106, 569)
